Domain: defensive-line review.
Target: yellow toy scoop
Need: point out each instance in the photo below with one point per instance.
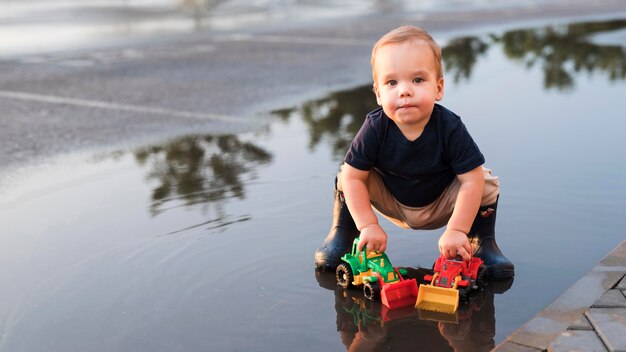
(439, 299)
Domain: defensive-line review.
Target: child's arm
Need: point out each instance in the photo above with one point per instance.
(354, 184)
(454, 240)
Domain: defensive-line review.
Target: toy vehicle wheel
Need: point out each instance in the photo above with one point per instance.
(344, 275)
(371, 290)
(464, 294)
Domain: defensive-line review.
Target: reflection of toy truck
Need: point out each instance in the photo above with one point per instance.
(452, 279)
(379, 278)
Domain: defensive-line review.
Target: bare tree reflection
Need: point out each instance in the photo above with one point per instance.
(200, 169)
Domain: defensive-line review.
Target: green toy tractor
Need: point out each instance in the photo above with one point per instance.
(379, 278)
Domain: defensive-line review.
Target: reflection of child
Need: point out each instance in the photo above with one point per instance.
(414, 162)
(365, 326)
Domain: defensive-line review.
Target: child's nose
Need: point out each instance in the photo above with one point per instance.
(405, 90)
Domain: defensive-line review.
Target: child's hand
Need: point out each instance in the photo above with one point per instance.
(374, 237)
(453, 243)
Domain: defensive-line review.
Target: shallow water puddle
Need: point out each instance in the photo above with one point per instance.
(206, 241)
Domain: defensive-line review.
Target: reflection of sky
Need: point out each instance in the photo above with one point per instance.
(616, 38)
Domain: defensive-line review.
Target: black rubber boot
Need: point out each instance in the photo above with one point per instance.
(342, 233)
(482, 236)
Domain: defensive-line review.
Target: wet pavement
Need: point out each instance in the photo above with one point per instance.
(153, 209)
(104, 93)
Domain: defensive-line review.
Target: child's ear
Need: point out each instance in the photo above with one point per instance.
(375, 89)
(439, 95)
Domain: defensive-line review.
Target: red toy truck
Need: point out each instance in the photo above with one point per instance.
(451, 281)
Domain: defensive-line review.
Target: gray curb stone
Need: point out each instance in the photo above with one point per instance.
(562, 326)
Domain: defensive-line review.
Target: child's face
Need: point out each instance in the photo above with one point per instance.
(407, 85)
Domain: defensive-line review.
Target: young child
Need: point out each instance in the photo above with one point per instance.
(414, 162)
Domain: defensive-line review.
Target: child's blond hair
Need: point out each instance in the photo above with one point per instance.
(405, 34)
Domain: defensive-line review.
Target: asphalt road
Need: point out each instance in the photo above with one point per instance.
(133, 92)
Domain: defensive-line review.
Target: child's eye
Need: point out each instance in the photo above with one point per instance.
(392, 82)
(418, 80)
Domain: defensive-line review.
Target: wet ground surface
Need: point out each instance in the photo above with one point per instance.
(37, 26)
(196, 230)
(205, 241)
(131, 88)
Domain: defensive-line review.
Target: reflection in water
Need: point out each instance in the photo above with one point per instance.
(337, 117)
(207, 169)
(72, 264)
(460, 56)
(564, 53)
(561, 51)
(200, 169)
(204, 170)
(95, 252)
(364, 325)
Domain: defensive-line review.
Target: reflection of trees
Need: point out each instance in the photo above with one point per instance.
(564, 51)
(336, 117)
(200, 169)
(460, 56)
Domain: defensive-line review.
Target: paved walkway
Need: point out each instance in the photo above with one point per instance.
(589, 316)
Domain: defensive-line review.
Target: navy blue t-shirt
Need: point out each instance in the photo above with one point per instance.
(415, 172)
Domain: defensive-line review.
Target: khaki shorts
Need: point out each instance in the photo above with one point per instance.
(432, 216)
